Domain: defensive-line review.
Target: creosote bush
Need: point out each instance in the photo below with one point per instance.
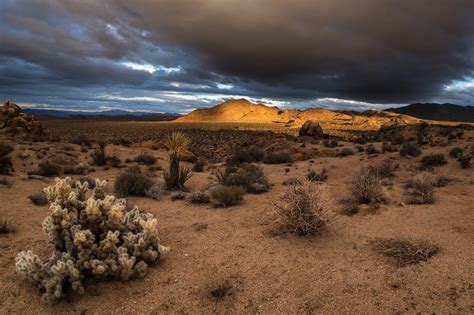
(365, 186)
(404, 252)
(94, 236)
(249, 176)
(132, 184)
(304, 209)
(226, 196)
(5, 159)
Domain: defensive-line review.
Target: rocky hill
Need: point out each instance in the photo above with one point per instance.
(14, 121)
(433, 111)
(243, 111)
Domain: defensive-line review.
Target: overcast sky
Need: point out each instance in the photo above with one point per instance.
(175, 56)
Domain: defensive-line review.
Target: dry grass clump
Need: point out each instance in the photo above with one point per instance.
(38, 199)
(95, 236)
(277, 158)
(5, 159)
(200, 197)
(420, 189)
(404, 252)
(304, 209)
(317, 177)
(220, 291)
(366, 188)
(225, 196)
(132, 184)
(47, 169)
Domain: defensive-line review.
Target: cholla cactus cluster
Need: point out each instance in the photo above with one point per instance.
(94, 236)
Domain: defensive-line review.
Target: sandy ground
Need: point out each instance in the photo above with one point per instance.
(336, 272)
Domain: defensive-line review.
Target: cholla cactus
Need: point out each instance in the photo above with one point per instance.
(94, 237)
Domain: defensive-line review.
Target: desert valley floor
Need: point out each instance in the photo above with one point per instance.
(240, 249)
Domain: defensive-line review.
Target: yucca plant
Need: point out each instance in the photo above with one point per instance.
(176, 143)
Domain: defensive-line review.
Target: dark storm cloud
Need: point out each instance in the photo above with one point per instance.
(384, 51)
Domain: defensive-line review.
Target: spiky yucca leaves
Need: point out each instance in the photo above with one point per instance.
(94, 236)
(176, 142)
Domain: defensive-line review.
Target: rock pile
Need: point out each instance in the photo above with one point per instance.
(14, 121)
(312, 129)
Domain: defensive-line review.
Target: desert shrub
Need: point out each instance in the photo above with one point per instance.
(360, 140)
(359, 148)
(317, 177)
(131, 184)
(38, 199)
(429, 161)
(404, 252)
(76, 170)
(199, 166)
(251, 154)
(146, 159)
(249, 176)
(4, 227)
(384, 169)
(5, 159)
(155, 192)
(410, 148)
(304, 209)
(346, 152)
(178, 195)
(277, 158)
(123, 142)
(420, 189)
(387, 147)
(456, 152)
(225, 196)
(365, 186)
(199, 197)
(4, 183)
(134, 169)
(94, 237)
(114, 161)
(465, 159)
(98, 157)
(220, 290)
(370, 149)
(81, 140)
(47, 169)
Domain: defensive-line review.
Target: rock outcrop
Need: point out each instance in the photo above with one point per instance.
(312, 129)
(14, 121)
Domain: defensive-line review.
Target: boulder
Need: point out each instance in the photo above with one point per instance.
(312, 129)
(13, 120)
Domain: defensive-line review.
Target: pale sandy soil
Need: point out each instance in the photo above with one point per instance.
(336, 272)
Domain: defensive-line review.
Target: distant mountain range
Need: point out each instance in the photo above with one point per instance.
(434, 111)
(114, 113)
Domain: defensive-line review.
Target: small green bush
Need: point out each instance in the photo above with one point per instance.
(225, 196)
(130, 184)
